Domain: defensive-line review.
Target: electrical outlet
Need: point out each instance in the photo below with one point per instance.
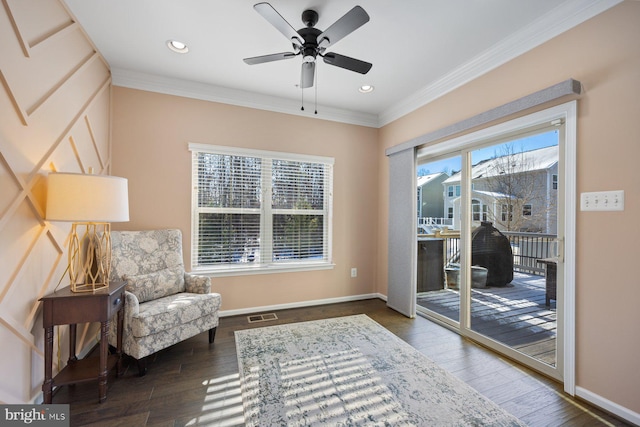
(354, 272)
(602, 201)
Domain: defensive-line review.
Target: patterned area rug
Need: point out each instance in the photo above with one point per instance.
(351, 371)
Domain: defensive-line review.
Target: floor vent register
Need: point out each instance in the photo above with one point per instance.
(254, 318)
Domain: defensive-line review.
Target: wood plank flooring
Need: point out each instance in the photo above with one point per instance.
(195, 383)
(515, 315)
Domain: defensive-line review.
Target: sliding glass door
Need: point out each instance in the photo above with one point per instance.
(490, 252)
(438, 240)
(513, 213)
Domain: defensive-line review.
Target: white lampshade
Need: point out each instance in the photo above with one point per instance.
(87, 198)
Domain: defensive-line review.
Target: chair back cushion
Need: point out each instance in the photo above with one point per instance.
(150, 261)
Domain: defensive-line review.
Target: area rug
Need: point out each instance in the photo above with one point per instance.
(351, 371)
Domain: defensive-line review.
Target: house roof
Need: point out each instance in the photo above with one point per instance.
(422, 180)
(540, 159)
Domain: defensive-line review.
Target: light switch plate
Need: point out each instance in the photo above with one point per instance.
(602, 201)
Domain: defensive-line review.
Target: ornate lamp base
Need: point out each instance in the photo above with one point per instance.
(90, 256)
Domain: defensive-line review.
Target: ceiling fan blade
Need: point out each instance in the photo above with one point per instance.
(306, 77)
(349, 22)
(269, 58)
(270, 14)
(347, 63)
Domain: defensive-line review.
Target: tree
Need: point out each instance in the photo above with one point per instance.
(518, 188)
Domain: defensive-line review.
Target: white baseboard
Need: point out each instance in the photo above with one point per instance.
(607, 405)
(252, 310)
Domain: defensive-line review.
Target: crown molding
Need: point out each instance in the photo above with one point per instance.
(206, 92)
(560, 19)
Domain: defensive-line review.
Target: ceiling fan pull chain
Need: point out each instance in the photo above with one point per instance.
(301, 97)
(316, 88)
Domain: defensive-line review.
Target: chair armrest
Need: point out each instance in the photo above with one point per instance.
(131, 304)
(197, 284)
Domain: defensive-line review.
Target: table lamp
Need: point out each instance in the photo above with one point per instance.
(91, 202)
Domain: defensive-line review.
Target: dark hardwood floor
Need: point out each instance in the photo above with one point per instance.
(195, 383)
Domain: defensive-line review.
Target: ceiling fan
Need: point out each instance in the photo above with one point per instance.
(311, 42)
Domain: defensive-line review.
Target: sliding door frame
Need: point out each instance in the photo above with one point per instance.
(565, 116)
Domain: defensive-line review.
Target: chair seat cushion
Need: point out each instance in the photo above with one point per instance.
(156, 285)
(173, 310)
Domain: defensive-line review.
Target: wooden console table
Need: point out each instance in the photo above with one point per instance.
(70, 308)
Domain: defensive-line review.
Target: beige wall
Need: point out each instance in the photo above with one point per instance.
(54, 115)
(604, 54)
(151, 132)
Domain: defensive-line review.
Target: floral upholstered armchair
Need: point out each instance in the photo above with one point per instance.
(163, 304)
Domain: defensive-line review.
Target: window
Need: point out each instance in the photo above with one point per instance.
(479, 211)
(450, 190)
(475, 209)
(507, 212)
(554, 179)
(258, 210)
(450, 213)
(526, 210)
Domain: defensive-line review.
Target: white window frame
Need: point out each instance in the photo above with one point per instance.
(266, 212)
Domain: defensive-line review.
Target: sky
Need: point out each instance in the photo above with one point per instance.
(529, 143)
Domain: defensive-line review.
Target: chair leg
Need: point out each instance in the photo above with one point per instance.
(142, 366)
(212, 334)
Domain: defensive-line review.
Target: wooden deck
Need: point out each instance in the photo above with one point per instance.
(515, 315)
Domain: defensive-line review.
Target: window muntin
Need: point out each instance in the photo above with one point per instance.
(256, 210)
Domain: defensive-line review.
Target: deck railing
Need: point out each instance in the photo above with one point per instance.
(527, 248)
(431, 221)
(429, 224)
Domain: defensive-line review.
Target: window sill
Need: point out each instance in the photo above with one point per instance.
(244, 270)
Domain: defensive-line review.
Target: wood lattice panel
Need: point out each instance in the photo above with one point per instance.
(54, 104)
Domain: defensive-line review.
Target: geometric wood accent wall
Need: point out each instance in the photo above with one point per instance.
(54, 116)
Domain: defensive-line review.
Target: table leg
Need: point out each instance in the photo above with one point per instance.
(119, 331)
(48, 360)
(104, 354)
(72, 343)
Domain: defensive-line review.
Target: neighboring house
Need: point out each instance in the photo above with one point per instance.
(430, 196)
(516, 191)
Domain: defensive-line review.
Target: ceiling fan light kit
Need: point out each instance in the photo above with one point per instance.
(310, 42)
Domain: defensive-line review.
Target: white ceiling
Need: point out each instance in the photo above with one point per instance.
(420, 49)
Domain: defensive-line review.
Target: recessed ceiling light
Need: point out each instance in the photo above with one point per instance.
(365, 88)
(177, 46)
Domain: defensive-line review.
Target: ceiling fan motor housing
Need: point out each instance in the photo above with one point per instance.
(310, 46)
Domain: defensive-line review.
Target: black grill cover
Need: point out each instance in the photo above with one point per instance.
(491, 249)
